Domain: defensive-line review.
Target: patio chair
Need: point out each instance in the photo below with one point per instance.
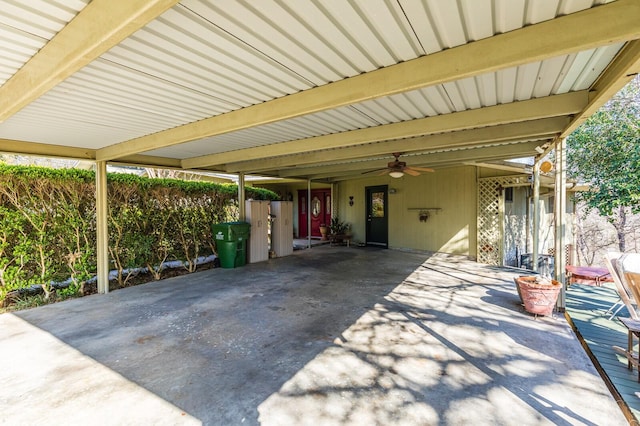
(633, 279)
(619, 264)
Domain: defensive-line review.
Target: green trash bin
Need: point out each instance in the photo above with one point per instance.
(227, 253)
(231, 240)
(241, 231)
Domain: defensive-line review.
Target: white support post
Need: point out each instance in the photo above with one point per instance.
(309, 213)
(560, 214)
(242, 212)
(102, 206)
(535, 252)
(501, 227)
(334, 201)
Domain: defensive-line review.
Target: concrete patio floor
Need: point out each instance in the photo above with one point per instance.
(330, 335)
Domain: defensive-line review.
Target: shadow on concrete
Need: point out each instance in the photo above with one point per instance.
(337, 335)
(219, 342)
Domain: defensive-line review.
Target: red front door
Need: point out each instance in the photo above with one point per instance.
(320, 211)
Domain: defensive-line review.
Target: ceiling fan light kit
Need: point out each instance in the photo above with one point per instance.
(397, 169)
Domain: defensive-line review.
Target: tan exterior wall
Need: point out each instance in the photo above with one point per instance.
(450, 230)
(453, 229)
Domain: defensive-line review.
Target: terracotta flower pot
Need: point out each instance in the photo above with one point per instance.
(323, 232)
(538, 298)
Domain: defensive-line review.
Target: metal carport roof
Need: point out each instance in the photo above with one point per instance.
(306, 89)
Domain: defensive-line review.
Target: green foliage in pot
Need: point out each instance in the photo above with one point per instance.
(337, 226)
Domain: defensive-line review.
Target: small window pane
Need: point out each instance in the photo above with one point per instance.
(315, 207)
(377, 204)
(508, 195)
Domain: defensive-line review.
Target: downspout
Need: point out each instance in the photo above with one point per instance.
(102, 230)
(560, 259)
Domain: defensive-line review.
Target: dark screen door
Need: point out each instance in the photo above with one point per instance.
(377, 229)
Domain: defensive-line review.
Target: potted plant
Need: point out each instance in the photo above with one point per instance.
(337, 229)
(539, 294)
(323, 231)
(337, 226)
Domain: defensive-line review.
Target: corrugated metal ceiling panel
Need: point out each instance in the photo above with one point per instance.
(204, 58)
(27, 26)
(333, 121)
(20, 48)
(40, 17)
(319, 41)
(529, 81)
(596, 60)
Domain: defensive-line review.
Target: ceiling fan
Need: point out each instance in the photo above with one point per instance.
(397, 168)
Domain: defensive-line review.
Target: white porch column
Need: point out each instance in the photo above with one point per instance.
(102, 212)
(309, 213)
(536, 215)
(242, 211)
(560, 215)
(334, 200)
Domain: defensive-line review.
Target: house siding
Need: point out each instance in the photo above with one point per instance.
(449, 230)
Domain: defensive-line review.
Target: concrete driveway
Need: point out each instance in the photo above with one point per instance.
(330, 335)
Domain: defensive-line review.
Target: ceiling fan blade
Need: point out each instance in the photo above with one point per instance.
(422, 169)
(410, 171)
(375, 170)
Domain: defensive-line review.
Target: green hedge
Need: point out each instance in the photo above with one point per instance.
(48, 224)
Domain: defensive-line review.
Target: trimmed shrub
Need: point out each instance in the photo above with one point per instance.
(48, 224)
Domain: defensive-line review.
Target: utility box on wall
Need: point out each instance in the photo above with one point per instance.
(282, 228)
(257, 214)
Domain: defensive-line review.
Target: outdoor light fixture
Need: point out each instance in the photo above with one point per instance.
(396, 174)
(546, 166)
(351, 200)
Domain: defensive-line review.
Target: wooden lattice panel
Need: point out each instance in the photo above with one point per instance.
(488, 221)
(489, 227)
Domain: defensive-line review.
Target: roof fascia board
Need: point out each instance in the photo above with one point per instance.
(524, 169)
(609, 23)
(98, 27)
(11, 146)
(149, 161)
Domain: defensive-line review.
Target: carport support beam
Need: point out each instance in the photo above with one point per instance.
(102, 249)
(242, 211)
(309, 213)
(536, 215)
(560, 258)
